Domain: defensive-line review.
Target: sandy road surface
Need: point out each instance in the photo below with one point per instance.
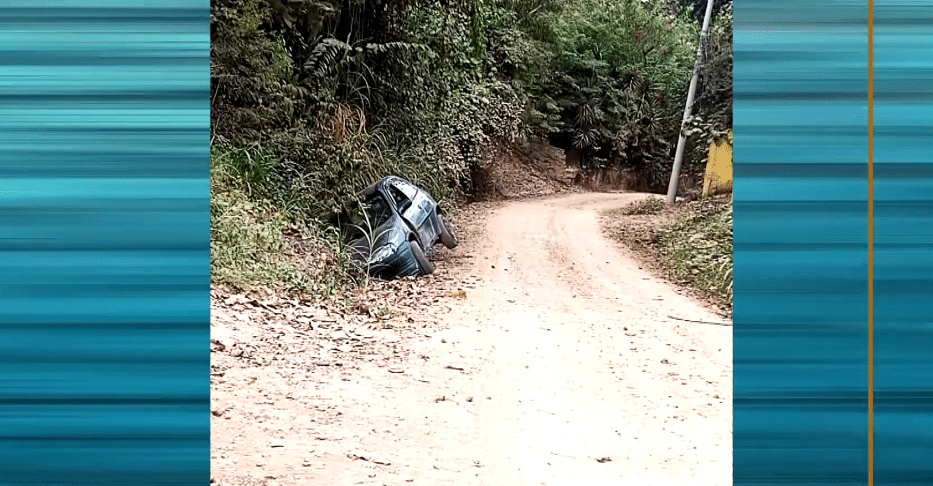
(560, 367)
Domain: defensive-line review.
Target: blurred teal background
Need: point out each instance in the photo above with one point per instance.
(104, 242)
(801, 243)
(903, 242)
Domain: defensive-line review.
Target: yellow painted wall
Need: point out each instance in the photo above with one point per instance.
(718, 179)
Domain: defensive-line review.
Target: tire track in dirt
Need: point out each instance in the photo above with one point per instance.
(592, 346)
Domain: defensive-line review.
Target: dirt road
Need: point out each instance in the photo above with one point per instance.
(561, 366)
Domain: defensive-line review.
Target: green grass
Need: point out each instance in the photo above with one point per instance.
(696, 247)
(248, 244)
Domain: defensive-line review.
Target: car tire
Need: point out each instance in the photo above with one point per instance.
(424, 264)
(448, 237)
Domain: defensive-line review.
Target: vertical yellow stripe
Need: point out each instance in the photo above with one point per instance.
(871, 242)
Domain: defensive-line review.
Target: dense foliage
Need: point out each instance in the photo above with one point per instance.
(621, 70)
(314, 99)
(712, 110)
(339, 91)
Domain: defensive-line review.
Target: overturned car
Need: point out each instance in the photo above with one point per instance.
(390, 228)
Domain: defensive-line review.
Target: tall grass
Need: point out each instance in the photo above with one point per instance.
(248, 225)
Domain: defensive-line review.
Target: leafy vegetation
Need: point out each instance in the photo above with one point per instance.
(312, 100)
(712, 117)
(622, 66)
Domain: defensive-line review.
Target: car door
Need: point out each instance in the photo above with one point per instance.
(414, 206)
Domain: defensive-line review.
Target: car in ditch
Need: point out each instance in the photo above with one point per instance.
(390, 226)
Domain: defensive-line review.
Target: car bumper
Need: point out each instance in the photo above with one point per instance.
(402, 263)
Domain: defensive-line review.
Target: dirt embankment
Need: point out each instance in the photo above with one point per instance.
(510, 171)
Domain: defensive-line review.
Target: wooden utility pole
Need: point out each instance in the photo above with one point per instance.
(682, 140)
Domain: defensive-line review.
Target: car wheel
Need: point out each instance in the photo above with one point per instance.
(448, 237)
(424, 264)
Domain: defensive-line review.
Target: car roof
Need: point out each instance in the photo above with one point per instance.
(381, 183)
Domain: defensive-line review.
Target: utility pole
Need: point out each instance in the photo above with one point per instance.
(682, 141)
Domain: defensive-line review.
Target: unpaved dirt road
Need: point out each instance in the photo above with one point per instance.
(561, 366)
